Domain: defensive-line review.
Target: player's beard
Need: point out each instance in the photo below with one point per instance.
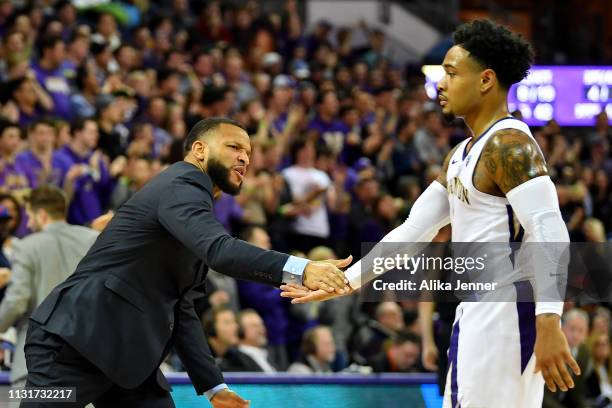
(448, 117)
(220, 176)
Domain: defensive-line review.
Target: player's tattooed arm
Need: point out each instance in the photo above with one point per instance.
(511, 158)
(442, 177)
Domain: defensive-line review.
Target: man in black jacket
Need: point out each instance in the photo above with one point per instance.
(106, 329)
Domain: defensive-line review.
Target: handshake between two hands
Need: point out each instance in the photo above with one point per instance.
(323, 280)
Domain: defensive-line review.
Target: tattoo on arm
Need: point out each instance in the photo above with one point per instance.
(511, 158)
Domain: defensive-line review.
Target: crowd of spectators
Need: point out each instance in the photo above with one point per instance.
(344, 139)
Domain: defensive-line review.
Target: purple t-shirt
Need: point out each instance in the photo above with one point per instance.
(332, 133)
(25, 119)
(33, 169)
(12, 175)
(279, 123)
(91, 192)
(56, 84)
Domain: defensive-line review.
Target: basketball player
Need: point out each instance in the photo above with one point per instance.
(501, 352)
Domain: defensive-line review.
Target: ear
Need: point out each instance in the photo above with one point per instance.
(487, 80)
(200, 150)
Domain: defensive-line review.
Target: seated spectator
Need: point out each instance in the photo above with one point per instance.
(599, 380)
(369, 339)
(576, 329)
(403, 355)
(254, 340)
(600, 323)
(221, 329)
(318, 352)
(340, 314)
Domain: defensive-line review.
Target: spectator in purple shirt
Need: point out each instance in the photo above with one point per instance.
(39, 161)
(86, 177)
(51, 75)
(12, 176)
(326, 125)
(28, 98)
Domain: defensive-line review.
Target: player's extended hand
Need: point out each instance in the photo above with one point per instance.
(326, 275)
(553, 354)
(301, 294)
(228, 399)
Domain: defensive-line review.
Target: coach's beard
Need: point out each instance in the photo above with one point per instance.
(220, 176)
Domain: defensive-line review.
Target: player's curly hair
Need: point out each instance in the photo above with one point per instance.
(497, 48)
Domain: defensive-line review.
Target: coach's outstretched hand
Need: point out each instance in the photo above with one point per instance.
(229, 399)
(553, 353)
(327, 276)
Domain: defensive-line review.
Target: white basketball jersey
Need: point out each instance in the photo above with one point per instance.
(476, 216)
(480, 217)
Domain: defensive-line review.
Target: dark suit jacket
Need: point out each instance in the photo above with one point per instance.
(236, 360)
(131, 297)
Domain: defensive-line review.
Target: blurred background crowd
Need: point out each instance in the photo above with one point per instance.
(97, 101)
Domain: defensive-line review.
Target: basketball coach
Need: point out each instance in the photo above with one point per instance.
(106, 329)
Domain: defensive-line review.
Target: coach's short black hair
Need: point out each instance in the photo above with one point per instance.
(206, 125)
(497, 48)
